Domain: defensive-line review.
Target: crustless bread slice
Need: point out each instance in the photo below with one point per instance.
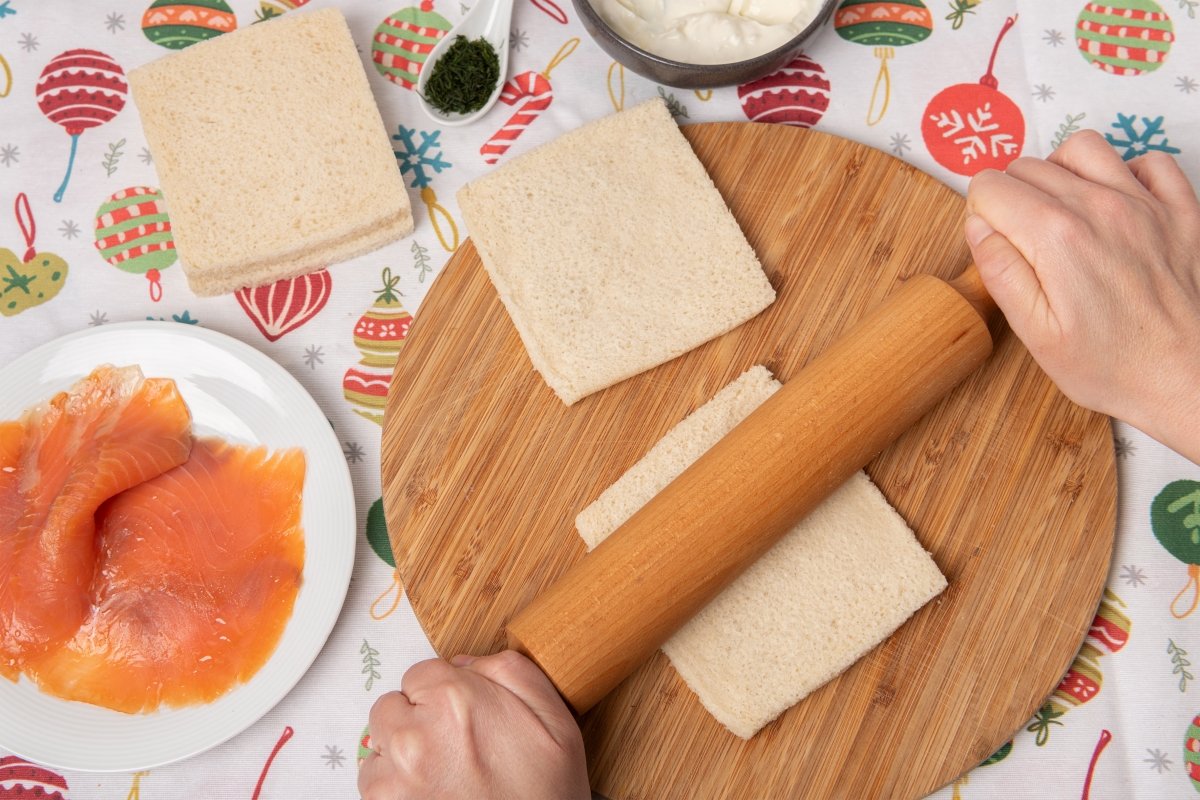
(271, 152)
(612, 250)
(838, 584)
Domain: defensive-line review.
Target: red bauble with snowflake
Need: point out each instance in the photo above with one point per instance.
(970, 127)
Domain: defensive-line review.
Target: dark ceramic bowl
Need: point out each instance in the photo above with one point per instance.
(694, 76)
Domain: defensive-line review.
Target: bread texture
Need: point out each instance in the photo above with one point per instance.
(272, 155)
(612, 250)
(836, 585)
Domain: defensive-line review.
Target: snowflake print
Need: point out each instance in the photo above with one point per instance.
(185, 318)
(5, 10)
(1136, 142)
(145, 156)
(354, 452)
(899, 144)
(28, 42)
(97, 318)
(419, 159)
(314, 355)
(114, 22)
(1124, 447)
(69, 229)
(1159, 761)
(1186, 85)
(9, 155)
(1043, 92)
(333, 756)
(1133, 576)
(977, 133)
(1052, 37)
(518, 39)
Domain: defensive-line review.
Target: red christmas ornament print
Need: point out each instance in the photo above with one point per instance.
(80, 89)
(797, 94)
(970, 127)
(24, 780)
(283, 306)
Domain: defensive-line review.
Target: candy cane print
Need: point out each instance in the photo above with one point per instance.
(535, 90)
(552, 9)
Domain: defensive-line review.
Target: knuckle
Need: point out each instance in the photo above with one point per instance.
(429, 672)
(1063, 225)
(1156, 158)
(507, 664)
(1084, 139)
(1024, 164)
(1108, 206)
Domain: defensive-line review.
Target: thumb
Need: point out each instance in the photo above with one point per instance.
(1010, 279)
(519, 675)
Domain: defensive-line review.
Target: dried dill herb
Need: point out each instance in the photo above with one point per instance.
(464, 77)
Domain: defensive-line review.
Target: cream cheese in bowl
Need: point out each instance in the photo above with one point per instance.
(708, 31)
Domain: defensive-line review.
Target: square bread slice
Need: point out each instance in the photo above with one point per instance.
(814, 604)
(612, 250)
(272, 155)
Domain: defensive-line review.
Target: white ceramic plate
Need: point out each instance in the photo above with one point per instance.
(236, 392)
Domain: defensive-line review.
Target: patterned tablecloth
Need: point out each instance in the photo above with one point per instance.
(951, 87)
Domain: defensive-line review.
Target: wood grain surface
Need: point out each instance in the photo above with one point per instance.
(1008, 484)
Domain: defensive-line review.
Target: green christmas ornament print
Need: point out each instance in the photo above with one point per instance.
(133, 233)
(404, 40)
(1191, 752)
(1124, 37)
(999, 755)
(364, 745)
(377, 536)
(1175, 520)
(176, 25)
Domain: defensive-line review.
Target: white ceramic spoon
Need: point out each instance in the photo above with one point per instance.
(491, 20)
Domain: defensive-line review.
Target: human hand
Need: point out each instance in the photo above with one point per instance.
(1096, 265)
(491, 727)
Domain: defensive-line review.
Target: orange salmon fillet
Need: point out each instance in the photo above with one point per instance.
(196, 575)
(58, 464)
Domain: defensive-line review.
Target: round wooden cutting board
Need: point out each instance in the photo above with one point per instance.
(1008, 484)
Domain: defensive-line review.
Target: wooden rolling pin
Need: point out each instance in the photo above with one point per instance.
(610, 611)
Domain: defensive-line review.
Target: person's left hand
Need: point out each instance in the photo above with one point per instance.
(491, 727)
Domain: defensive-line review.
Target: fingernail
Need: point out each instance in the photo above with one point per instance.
(462, 660)
(976, 230)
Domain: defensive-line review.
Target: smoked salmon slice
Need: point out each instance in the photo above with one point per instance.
(197, 573)
(58, 464)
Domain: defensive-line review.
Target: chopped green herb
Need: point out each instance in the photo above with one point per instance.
(464, 77)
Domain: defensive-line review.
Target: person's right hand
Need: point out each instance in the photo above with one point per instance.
(1096, 265)
(478, 728)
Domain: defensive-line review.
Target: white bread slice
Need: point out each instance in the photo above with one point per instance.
(272, 155)
(838, 584)
(264, 272)
(612, 250)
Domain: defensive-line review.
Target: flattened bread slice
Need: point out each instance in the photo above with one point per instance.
(613, 251)
(834, 587)
(272, 155)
